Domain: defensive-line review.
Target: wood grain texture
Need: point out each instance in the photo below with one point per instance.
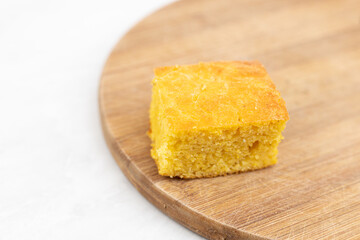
(311, 50)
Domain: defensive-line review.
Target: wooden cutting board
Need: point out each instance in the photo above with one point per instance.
(312, 52)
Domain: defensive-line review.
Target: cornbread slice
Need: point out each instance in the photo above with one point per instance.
(215, 118)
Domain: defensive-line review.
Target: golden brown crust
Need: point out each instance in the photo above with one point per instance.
(220, 94)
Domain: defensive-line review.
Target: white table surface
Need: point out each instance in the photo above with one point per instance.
(57, 177)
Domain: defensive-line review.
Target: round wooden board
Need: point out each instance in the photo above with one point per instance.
(311, 50)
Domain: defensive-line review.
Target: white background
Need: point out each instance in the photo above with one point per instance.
(57, 177)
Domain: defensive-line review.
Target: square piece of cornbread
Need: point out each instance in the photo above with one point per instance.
(215, 118)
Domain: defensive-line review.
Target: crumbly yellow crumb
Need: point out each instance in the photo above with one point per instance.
(215, 118)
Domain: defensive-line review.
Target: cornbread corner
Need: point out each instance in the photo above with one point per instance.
(215, 118)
